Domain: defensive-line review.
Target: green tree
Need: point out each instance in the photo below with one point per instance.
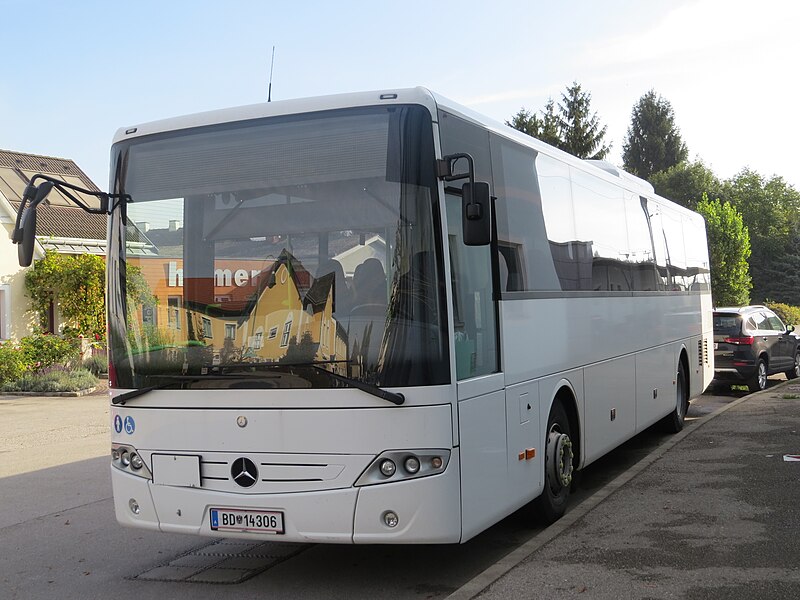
(686, 182)
(571, 126)
(76, 285)
(771, 210)
(579, 128)
(729, 249)
(526, 122)
(544, 128)
(653, 142)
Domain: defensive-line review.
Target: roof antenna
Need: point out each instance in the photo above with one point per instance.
(271, 65)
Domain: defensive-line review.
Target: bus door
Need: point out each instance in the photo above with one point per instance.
(481, 402)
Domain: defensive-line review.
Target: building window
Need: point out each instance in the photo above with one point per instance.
(173, 312)
(273, 333)
(257, 340)
(287, 329)
(230, 331)
(207, 333)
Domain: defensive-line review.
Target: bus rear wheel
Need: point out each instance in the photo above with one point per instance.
(558, 467)
(673, 422)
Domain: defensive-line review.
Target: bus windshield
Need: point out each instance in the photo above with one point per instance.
(288, 252)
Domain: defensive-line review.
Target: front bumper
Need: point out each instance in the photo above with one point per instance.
(428, 509)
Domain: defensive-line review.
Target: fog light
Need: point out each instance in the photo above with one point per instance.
(411, 464)
(125, 458)
(136, 461)
(436, 462)
(134, 506)
(388, 468)
(390, 519)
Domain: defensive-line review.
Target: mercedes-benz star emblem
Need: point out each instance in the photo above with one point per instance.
(244, 472)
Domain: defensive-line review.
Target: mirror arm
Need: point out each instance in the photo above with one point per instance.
(68, 188)
(444, 170)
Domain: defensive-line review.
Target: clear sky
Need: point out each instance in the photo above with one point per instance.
(74, 72)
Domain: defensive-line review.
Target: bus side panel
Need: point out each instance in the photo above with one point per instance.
(544, 336)
(610, 405)
(655, 384)
(484, 468)
(524, 448)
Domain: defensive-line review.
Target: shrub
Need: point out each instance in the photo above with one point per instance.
(790, 315)
(96, 364)
(42, 350)
(13, 363)
(53, 379)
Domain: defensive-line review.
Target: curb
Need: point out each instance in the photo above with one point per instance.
(483, 580)
(85, 392)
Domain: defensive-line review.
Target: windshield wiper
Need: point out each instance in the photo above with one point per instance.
(178, 379)
(370, 388)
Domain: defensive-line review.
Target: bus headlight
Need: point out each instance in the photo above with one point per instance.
(127, 458)
(136, 461)
(415, 463)
(388, 467)
(411, 465)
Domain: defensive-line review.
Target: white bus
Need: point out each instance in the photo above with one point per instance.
(382, 318)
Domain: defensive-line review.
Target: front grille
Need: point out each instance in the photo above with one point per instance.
(283, 473)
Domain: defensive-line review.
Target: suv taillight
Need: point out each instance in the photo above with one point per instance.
(740, 341)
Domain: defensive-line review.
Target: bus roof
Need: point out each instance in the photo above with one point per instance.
(416, 95)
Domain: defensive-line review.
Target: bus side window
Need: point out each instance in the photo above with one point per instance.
(473, 307)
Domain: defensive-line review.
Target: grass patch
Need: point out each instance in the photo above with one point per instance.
(54, 379)
(791, 396)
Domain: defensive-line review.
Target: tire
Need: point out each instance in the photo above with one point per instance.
(673, 422)
(794, 373)
(759, 381)
(558, 468)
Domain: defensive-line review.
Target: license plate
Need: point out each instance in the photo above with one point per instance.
(236, 519)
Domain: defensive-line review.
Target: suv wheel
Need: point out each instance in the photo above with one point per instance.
(759, 380)
(795, 372)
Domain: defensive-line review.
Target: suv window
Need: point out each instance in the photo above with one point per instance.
(760, 321)
(727, 324)
(775, 323)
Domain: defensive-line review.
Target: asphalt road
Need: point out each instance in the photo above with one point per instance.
(59, 537)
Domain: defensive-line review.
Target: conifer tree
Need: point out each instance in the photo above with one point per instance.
(653, 141)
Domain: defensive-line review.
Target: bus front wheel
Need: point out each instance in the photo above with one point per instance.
(558, 467)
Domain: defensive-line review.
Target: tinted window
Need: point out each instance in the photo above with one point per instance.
(727, 324)
(774, 322)
(677, 271)
(644, 275)
(760, 321)
(520, 224)
(572, 263)
(601, 233)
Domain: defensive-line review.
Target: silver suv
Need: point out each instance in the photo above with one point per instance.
(751, 343)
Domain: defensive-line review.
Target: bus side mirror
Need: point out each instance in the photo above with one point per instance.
(476, 213)
(25, 230)
(28, 231)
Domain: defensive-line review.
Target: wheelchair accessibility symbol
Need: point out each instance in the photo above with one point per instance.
(130, 425)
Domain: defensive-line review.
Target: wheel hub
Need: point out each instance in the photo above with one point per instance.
(559, 452)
